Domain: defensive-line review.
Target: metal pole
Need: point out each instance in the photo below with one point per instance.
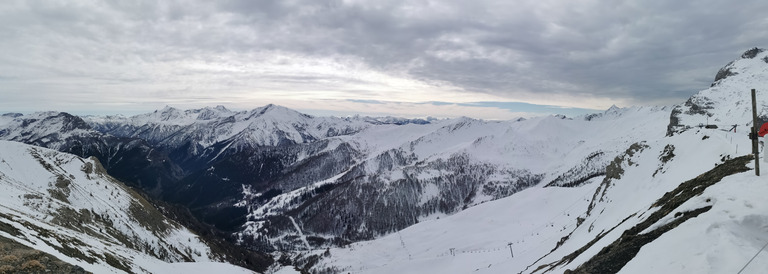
(753, 135)
(510, 250)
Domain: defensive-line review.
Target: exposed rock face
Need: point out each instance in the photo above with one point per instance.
(751, 53)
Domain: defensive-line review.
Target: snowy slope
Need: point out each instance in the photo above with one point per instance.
(704, 225)
(536, 219)
(67, 206)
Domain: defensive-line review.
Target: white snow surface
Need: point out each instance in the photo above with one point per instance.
(40, 186)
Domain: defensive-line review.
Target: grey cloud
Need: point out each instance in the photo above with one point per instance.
(638, 50)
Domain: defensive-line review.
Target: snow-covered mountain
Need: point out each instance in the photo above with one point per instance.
(69, 207)
(266, 172)
(281, 180)
(682, 201)
(441, 169)
(270, 125)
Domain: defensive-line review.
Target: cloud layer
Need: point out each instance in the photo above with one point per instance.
(76, 55)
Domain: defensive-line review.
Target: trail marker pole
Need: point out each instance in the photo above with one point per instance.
(510, 250)
(753, 134)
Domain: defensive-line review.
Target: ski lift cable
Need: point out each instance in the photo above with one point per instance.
(558, 216)
(753, 257)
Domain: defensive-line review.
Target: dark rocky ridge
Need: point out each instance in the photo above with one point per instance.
(614, 256)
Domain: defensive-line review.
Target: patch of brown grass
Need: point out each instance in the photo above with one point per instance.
(9, 258)
(7, 269)
(32, 265)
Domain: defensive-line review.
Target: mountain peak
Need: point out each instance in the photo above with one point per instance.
(279, 108)
(12, 115)
(275, 111)
(727, 101)
(209, 113)
(221, 108)
(166, 109)
(746, 64)
(751, 53)
(168, 113)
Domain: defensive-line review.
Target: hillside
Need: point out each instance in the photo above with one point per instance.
(70, 208)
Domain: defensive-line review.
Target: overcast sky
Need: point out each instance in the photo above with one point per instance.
(481, 58)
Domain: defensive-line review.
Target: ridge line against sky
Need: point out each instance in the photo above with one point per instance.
(484, 59)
